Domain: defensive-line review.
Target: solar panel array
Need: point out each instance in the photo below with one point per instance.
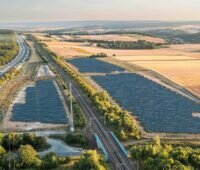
(92, 65)
(43, 104)
(158, 108)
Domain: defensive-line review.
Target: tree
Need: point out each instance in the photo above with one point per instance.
(28, 156)
(8, 161)
(90, 160)
(2, 151)
(1, 136)
(50, 161)
(156, 140)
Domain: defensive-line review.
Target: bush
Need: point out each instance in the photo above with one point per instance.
(76, 139)
(90, 160)
(13, 141)
(50, 161)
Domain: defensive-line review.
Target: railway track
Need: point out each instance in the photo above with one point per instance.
(116, 157)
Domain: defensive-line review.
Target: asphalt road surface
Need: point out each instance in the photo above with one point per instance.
(20, 58)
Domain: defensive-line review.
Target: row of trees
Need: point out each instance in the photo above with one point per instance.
(79, 118)
(19, 151)
(159, 156)
(129, 45)
(12, 141)
(8, 47)
(76, 139)
(136, 45)
(26, 157)
(120, 121)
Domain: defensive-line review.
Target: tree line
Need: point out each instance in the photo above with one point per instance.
(20, 151)
(9, 75)
(159, 156)
(129, 45)
(8, 47)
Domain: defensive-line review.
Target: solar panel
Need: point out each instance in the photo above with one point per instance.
(158, 108)
(43, 104)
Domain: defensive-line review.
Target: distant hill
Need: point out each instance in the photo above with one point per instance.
(87, 25)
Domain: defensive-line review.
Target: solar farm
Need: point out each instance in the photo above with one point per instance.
(92, 65)
(41, 104)
(158, 108)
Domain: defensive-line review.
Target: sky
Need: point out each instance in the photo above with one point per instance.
(69, 10)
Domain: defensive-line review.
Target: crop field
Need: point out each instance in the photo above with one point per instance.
(43, 37)
(157, 108)
(65, 49)
(41, 103)
(178, 63)
(68, 49)
(181, 69)
(123, 37)
(92, 65)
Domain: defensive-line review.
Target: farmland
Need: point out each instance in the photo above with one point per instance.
(183, 69)
(178, 63)
(123, 37)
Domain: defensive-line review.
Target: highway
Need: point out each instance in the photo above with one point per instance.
(20, 58)
(116, 157)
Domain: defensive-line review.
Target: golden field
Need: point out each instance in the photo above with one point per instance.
(123, 37)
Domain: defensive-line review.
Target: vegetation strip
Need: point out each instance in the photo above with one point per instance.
(159, 156)
(8, 46)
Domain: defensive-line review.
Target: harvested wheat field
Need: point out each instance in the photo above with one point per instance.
(155, 58)
(43, 37)
(123, 37)
(179, 63)
(186, 73)
(68, 49)
(65, 50)
(184, 70)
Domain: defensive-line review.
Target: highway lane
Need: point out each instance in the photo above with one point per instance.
(20, 58)
(117, 158)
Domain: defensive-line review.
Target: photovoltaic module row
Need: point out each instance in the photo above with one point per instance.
(158, 108)
(92, 65)
(42, 104)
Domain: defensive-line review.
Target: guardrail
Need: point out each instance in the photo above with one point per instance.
(119, 143)
(100, 146)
